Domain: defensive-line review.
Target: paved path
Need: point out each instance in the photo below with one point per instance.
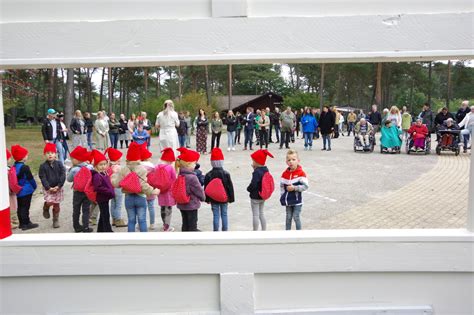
(347, 190)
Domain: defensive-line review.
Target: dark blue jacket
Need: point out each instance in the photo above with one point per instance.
(25, 179)
(256, 184)
(249, 121)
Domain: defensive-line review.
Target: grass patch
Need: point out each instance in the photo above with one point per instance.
(30, 138)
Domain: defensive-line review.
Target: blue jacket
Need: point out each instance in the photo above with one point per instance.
(309, 123)
(140, 137)
(25, 179)
(256, 184)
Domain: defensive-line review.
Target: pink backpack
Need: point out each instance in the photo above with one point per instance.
(131, 183)
(178, 190)
(268, 186)
(159, 178)
(90, 192)
(82, 178)
(13, 181)
(216, 191)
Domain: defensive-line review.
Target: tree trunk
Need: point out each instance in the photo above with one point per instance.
(50, 87)
(87, 98)
(448, 92)
(170, 74)
(158, 82)
(128, 102)
(101, 93)
(69, 104)
(229, 83)
(321, 88)
(378, 85)
(430, 81)
(208, 91)
(145, 79)
(55, 87)
(38, 88)
(79, 99)
(180, 86)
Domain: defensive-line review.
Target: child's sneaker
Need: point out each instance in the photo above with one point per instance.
(152, 227)
(93, 221)
(46, 214)
(119, 223)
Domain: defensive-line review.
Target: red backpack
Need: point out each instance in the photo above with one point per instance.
(159, 178)
(82, 178)
(178, 190)
(131, 183)
(268, 186)
(216, 191)
(90, 192)
(13, 181)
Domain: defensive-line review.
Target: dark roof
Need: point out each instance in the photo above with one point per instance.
(241, 100)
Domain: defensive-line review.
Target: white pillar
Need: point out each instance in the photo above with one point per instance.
(470, 204)
(4, 200)
(237, 293)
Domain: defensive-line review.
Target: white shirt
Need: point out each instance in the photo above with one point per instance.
(55, 128)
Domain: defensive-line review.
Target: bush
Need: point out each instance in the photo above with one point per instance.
(301, 100)
(193, 101)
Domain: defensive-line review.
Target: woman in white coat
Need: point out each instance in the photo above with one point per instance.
(166, 122)
(468, 131)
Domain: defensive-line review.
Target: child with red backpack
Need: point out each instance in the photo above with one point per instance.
(132, 178)
(114, 156)
(293, 182)
(167, 178)
(104, 190)
(261, 187)
(52, 175)
(219, 189)
(13, 185)
(150, 199)
(28, 186)
(79, 174)
(187, 191)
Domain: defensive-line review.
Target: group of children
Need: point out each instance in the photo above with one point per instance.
(100, 181)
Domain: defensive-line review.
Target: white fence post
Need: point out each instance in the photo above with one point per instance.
(470, 205)
(237, 293)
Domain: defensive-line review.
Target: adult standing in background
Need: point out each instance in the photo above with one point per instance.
(395, 117)
(78, 131)
(427, 117)
(52, 132)
(287, 123)
(249, 126)
(275, 124)
(462, 111)
(468, 131)
(240, 122)
(132, 125)
(124, 133)
(202, 127)
(361, 115)
(189, 124)
(166, 122)
(406, 123)
(89, 128)
(263, 124)
(231, 122)
(147, 125)
(114, 130)
(101, 126)
(351, 121)
(327, 123)
(375, 118)
(216, 129)
(65, 133)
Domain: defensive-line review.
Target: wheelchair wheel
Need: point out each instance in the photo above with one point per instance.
(438, 150)
(458, 150)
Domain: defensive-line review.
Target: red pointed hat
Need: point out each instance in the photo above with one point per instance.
(168, 155)
(188, 155)
(19, 152)
(113, 154)
(80, 153)
(9, 155)
(216, 155)
(260, 156)
(145, 154)
(98, 157)
(49, 147)
(134, 152)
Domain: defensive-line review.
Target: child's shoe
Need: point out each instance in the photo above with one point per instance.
(93, 221)
(56, 221)
(46, 214)
(152, 227)
(119, 223)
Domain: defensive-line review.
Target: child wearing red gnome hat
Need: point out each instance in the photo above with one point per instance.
(135, 203)
(12, 196)
(224, 191)
(52, 176)
(165, 198)
(189, 211)
(146, 156)
(257, 203)
(104, 189)
(116, 203)
(80, 158)
(28, 184)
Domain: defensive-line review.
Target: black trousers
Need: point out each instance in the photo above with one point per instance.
(80, 200)
(190, 219)
(263, 138)
(215, 139)
(248, 135)
(237, 135)
(104, 219)
(285, 139)
(23, 210)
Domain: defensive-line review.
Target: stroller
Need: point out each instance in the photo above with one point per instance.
(369, 147)
(448, 141)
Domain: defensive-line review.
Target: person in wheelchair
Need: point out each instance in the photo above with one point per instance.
(363, 130)
(390, 140)
(449, 124)
(418, 133)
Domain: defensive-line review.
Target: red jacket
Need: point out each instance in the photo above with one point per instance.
(421, 131)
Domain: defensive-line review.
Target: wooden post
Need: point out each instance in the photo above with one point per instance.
(230, 87)
(321, 88)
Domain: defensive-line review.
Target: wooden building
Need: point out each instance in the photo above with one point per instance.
(239, 103)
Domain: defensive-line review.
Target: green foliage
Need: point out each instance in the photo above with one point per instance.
(301, 100)
(193, 101)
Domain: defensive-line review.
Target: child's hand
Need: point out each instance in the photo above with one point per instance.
(156, 191)
(290, 188)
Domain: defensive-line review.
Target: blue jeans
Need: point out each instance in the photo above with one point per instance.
(293, 212)
(308, 139)
(151, 210)
(231, 139)
(182, 141)
(136, 208)
(89, 140)
(60, 149)
(114, 140)
(248, 135)
(116, 205)
(327, 139)
(350, 127)
(219, 210)
(466, 134)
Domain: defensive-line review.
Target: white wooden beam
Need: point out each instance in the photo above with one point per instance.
(229, 8)
(470, 205)
(237, 40)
